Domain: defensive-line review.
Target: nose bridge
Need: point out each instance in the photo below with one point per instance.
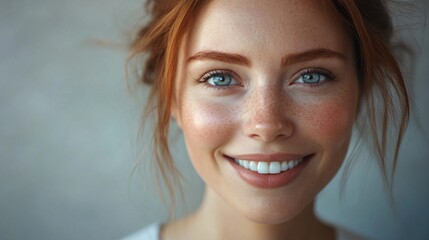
(266, 101)
(266, 117)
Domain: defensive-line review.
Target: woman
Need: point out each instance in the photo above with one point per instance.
(267, 94)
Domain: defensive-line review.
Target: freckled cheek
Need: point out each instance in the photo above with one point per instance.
(206, 126)
(331, 122)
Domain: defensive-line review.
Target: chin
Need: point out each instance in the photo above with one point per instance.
(274, 213)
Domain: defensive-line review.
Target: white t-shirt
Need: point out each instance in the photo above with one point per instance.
(151, 232)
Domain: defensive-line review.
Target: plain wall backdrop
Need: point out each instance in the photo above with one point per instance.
(68, 130)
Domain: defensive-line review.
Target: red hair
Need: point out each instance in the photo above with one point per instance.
(160, 41)
(384, 93)
(382, 83)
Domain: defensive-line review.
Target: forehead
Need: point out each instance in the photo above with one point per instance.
(256, 28)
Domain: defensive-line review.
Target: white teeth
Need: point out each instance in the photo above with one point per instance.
(268, 167)
(263, 167)
(284, 166)
(274, 167)
(246, 164)
(253, 166)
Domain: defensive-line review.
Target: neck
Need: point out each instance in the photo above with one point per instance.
(215, 219)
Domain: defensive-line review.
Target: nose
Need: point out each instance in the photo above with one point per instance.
(267, 116)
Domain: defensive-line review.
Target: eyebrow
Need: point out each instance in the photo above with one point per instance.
(286, 60)
(311, 55)
(220, 56)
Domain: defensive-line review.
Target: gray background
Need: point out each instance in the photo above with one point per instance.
(68, 130)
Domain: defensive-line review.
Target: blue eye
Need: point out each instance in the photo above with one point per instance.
(219, 79)
(313, 77)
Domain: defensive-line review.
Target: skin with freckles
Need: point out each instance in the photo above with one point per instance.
(263, 77)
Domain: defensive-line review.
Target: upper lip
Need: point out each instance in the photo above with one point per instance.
(261, 157)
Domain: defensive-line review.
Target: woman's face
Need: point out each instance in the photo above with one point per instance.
(266, 95)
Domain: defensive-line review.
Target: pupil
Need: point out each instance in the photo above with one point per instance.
(312, 78)
(221, 80)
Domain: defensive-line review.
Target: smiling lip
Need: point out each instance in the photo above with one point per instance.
(277, 157)
(269, 180)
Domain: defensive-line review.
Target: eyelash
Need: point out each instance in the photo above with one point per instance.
(206, 77)
(328, 76)
(308, 71)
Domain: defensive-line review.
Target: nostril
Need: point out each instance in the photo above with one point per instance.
(267, 120)
(269, 131)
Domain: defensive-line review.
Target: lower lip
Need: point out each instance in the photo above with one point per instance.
(269, 180)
